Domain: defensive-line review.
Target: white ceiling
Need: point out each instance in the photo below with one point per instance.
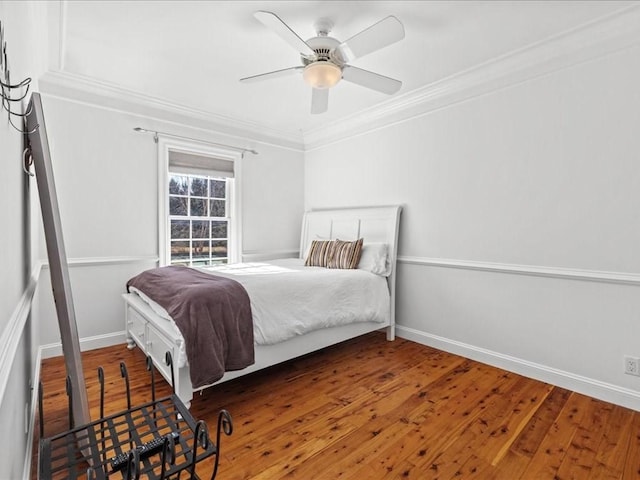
(192, 53)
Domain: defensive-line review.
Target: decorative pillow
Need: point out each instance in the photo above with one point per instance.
(308, 248)
(345, 254)
(319, 253)
(374, 259)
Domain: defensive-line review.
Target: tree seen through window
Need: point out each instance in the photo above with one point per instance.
(199, 221)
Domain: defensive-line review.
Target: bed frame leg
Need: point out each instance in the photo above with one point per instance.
(131, 344)
(391, 333)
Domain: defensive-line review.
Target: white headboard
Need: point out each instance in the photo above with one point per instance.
(373, 224)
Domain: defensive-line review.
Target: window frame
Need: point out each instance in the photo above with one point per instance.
(165, 147)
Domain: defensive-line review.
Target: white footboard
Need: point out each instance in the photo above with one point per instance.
(156, 341)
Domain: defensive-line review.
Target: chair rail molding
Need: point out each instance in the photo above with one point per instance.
(532, 270)
(265, 255)
(12, 333)
(103, 261)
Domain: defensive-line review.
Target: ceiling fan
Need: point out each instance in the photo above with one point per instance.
(325, 60)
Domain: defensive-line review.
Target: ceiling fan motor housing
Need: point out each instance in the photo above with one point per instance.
(324, 47)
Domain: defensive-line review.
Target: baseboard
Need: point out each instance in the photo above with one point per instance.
(88, 343)
(577, 383)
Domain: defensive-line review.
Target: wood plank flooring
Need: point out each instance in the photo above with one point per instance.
(372, 409)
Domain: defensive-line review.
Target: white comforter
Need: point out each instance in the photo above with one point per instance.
(289, 299)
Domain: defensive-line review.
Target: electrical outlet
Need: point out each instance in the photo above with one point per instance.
(632, 366)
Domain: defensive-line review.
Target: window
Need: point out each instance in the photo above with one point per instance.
(198, 220)
(198, 215)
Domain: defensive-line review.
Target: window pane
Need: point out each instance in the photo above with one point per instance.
(178, 185)
(217, 208)
(179, 229)
(200, 229)
(199, 187)
(218, 229)
(198, 207)
(219, 248)
(218, 188)
(179, 250)
(194, 200)
(178, 206)
(200, 250)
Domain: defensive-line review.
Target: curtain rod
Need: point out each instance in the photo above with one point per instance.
(156, 133)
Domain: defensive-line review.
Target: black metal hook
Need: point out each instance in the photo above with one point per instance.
(69, 388)
(24, 95)
(132, 471)
(125, 375)
(225, 424)
(168, 454)
(5, 93)
(27, 161)
(24, 82)
(41, 408)
(101, 381)
(200, 437)
(153, 381)
(168, 359)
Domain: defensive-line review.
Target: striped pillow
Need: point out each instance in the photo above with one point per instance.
(345, 254)
(319, 253)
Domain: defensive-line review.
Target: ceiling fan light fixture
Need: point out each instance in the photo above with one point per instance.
(322, 74)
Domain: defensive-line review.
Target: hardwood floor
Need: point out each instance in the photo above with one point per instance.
(372, 409)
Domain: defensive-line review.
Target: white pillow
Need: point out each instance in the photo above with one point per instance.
(375, 259)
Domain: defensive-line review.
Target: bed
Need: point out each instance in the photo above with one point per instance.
(151, 329)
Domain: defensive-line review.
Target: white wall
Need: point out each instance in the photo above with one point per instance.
(106, 176)
(22, 24)
(542, 173)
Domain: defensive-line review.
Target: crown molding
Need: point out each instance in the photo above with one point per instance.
(603, 36)
(91, 91)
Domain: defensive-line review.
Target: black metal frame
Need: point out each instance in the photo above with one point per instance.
(89, 450)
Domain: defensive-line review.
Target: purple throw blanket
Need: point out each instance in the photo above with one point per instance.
(213, 314)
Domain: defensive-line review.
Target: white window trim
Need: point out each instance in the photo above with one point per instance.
(166, 145)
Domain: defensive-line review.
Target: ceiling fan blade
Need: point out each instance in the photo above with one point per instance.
(319, 100)
(278, 26)
(371, 80)
(387, 31)
(277, 73)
